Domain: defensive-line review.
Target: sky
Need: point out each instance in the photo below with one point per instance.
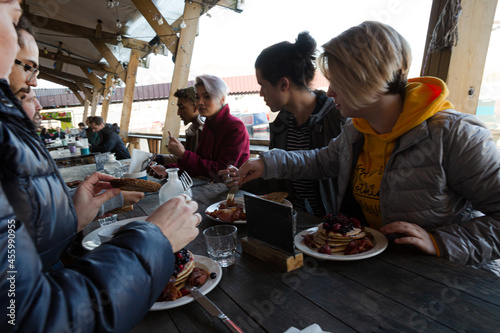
(229, 42)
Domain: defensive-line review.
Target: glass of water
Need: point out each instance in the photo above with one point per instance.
(221, 243)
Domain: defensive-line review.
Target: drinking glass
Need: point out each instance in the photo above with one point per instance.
(221, 243)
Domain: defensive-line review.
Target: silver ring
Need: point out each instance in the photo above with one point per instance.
(187, 197)
(198, 215)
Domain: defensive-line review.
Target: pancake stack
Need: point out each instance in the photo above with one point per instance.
(335, 233)
(184, 265)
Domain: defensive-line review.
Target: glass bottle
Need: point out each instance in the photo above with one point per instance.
(113, 167)
(173, 187)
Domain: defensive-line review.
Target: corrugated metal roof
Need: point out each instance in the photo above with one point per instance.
(238, 85)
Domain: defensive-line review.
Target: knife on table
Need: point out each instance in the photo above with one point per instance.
(214, 310)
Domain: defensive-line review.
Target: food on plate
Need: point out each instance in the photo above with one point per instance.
(137, 185)
(338, 234)
(185, 274)
(278, 197)
(121, 210)
(229, 214)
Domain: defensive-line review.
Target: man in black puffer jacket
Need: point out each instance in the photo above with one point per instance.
(111, 141)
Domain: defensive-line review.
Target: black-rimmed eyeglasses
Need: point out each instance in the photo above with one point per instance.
(34, 71)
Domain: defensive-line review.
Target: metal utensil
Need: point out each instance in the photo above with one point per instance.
(230, 196)
(146, 162)
(186, 180)
(214, 310)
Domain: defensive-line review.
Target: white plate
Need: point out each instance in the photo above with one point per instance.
(239, 200)
(199, 261)
(379, 239)
(91, 241)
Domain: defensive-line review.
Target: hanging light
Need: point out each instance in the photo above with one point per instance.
(183, 24)
(119, 38)
(119, 24)
(111, 4)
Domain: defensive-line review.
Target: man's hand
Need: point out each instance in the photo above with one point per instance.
(230, 176)
(174, 146)
(156, 170)
(413, 234)
(250, 170)
(177, 219)
(87, 200)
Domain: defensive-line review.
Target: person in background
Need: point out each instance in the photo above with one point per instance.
(59, 133)
(94, 138)
(111, 141)
(224, 139)
(188, 113)
(412, 165)
(45, 135)
(307, 119)
(32, 107)
(84, 297)
(82, 131)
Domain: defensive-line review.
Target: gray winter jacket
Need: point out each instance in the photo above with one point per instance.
(443, 175)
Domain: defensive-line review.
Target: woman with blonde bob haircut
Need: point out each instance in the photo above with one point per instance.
(400, 162)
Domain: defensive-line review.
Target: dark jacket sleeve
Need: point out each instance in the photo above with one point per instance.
(108, 290)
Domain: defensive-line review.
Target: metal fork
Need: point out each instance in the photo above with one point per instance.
(186, 180)
(230, 196)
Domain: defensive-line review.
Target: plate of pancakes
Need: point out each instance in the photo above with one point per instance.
(202, 262)
(310, 242)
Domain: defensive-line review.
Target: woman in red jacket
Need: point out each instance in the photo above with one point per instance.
(224, 140)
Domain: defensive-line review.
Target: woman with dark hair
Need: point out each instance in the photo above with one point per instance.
(45, 135)
(407, 164)
(307, 119)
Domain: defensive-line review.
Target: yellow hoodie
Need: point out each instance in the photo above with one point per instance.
(424, 97)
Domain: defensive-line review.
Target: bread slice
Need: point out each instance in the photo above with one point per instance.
(136, 185)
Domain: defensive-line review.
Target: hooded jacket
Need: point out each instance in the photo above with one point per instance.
(443, 174)
(108, 290)
(111, 142)
(224, 140)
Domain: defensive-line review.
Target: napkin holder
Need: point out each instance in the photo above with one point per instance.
(271, 230)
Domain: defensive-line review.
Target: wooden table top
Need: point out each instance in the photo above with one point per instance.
(400, 290)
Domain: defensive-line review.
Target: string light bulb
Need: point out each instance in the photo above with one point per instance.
(119, 38)
(183, 24)
(119, 24)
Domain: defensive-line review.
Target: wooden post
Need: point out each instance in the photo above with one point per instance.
(106, 100)
(85, 110)
(182, 67)
(95, 100)
(128, 97)
(469, 56)
(462, 66)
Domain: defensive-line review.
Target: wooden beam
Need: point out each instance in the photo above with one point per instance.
(96, 82)
(128, 95)
(65, 76)
(75, 61)
(114, 64)
(89, 33)
(78, 96)
(437, 63)
(86, 91)
(95, 101)
(106, 100)
(182, 67)
(62, 82)
(166, 33)
(469, 56)
(86, 105)
(59, 64)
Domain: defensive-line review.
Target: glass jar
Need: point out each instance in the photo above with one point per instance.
(173, 187)
(113, 167)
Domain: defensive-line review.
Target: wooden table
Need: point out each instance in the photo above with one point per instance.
(71, 159)
(400, 290)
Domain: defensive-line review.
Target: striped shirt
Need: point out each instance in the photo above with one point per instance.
(298, 139)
